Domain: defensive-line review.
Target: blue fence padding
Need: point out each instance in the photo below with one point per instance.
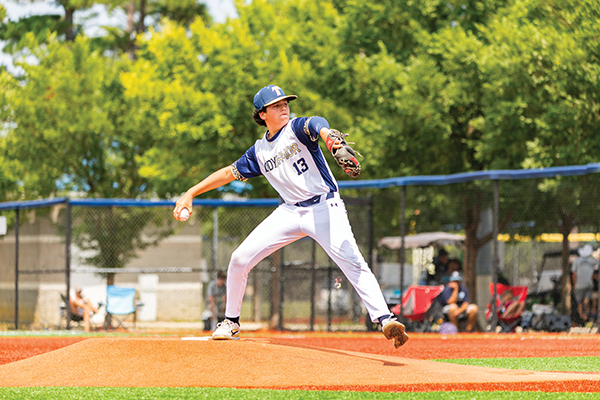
(171, 203)
(507, 174)
(29, 204)
(13, 205)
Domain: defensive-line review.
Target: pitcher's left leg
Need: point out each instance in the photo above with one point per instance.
(333, 232)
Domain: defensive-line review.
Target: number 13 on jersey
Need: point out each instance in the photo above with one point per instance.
(300, 166)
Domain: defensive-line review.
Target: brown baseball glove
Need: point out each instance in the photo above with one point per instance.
(344, 155)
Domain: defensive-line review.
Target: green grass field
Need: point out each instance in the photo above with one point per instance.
(260, 394)
(590, 364)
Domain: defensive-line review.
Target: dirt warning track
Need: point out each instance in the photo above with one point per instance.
(265, 363)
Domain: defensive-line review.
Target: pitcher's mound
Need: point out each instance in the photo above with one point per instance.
(263, 363)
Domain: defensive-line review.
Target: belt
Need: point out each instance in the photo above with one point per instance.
(314, 200)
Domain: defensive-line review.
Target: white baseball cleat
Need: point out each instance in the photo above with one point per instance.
(394, 330)
(227, 330)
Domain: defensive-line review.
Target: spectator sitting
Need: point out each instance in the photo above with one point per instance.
(510, 306)
(455, 302)
(216, 300)
(81, 308)
(583, 270)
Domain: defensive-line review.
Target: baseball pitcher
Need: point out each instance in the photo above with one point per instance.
(289, 157)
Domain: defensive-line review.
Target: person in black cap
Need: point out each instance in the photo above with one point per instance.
(289, 157)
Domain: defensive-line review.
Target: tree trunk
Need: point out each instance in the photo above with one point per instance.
(130, 28)
(110, 280)
(70, 34)
(565, 280)
(130, 12)
(470, 267)
(141, 26)
(472, 212)
(472, 245)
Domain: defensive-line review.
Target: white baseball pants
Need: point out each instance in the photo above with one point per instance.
(327, 223)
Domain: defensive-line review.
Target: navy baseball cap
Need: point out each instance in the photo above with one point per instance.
(270, 95)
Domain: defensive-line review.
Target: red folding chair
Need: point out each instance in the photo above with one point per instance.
(507, 324)
(417, 304)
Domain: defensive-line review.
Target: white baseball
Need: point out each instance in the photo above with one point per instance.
(184, 214)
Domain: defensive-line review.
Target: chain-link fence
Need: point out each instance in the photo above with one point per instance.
(170, 264)
(514, 231)
(32, 263)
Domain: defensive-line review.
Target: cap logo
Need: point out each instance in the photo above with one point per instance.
(270, 95)
(277, 90)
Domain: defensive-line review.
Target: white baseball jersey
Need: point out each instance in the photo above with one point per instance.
(291, 161)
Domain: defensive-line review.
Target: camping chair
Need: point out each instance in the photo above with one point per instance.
(506, 324)
(417, 308)
(120, 305)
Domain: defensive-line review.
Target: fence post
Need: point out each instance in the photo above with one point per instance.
(329, 296)
(402, 234)
(313, 280)
(17, 268)
(215, 243)
(68, 261)
(494, 321)
(371, 232)
(281, 289)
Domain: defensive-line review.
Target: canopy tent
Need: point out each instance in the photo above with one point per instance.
(422, 240)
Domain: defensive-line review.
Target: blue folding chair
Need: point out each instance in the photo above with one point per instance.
(120, 305)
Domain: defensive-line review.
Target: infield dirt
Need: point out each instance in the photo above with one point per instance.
(267, 363)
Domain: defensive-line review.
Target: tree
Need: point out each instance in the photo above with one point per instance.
(72, 129)
(198, 86)
(42, 26)
(449, 91)
(543, 87)
(116, 39)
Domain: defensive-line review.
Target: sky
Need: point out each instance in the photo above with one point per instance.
(98, 16)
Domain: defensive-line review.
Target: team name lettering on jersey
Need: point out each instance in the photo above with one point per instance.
(286, 153)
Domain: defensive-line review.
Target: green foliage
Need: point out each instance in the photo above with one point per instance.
(14, 33)
(423, 87)
(197, 87)
(183, 12)
(68, 124)
(541, 96)
(10, 169)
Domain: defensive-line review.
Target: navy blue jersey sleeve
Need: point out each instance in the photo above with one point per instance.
(246, 166)
(307, 129)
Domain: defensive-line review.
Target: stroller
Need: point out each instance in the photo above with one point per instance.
(519, 296)
(419, 308)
